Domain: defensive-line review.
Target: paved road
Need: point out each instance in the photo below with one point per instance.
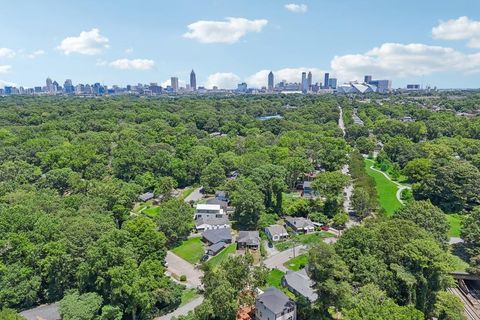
(47, 311)
(183, 310)
(194, 196)
(277, 260)
(178, 266)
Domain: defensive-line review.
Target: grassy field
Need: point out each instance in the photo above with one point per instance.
(188, 295)
(152, 212)
(297, 263)
(457, 264)
(307, 239)
(220, 257)
(386, 189)
(455, 221)
(274, 278)
(190, 250)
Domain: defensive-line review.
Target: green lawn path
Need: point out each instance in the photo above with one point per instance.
(222, 255)
(274, 278)
(455, 221)
(188, 295)
(386, 189)
(190, 250)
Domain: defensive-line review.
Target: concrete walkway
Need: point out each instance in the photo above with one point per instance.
(183, 310)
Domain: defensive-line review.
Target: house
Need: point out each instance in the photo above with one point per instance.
(299, 283)
(215, 248)
(308, 191)
(208, 211)
(300, 224)
(146, 196)
(223, 204)
(248, 240)
(213, 236)
(274, 305)
(221, 195)
(276, 232)
(206, 223)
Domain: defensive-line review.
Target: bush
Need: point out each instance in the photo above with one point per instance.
(183, 278)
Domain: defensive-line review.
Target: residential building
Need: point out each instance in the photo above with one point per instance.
(308, 191)
(274, 305)
(221, 195)
(205, 223)
(146, 196)
(270, 81)
(276, 232)
(213, 236)
(300, 284)
(193, 81)
(215, 248)
(248, 240)
(223, 205)
(174, 84)
(208, 211)
(300, 224)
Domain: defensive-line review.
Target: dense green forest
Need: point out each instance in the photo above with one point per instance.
(71, 171)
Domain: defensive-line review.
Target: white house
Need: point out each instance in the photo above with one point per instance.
(276, 232)
(203, 224)
(208, 211)
(274, 305)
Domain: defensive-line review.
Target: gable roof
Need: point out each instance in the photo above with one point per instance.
(217, 235)
(221, 203)
(216, 247)
(213, 221)
(276, 230)
(250, 238)
(301, 283)
(275, 300)
(146, 196)
(299, 222)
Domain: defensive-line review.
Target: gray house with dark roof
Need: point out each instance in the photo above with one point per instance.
(215, 248)
(248, 240)
(146, 196)
(300, 224)
(213, 236)
(274, 305)
(299, 283)
(276, 232)
(205, 223)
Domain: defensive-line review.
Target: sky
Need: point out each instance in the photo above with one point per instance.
(429, 42)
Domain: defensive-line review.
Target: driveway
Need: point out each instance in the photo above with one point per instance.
(194, 196)
(183, 310)
(178, 266)
(455, 240)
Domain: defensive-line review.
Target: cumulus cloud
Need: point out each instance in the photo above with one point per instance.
(403, 60)
(229, 31)
(223, 80)
(259, 79)
(297, 8)
(5, 68)
(87, 43)
(133, 64)
(6, 53)
(459, 29)
(4, 83)
(35, 54)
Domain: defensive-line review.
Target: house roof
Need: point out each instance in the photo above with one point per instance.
(213, 207)
(213, 221)
(275, 300)
(217, 235)
(222, 204)
(146, 196)
(250, 238)
(216, 247)
(276, 230)
(300, 222)
(221, 194)
(301, 283)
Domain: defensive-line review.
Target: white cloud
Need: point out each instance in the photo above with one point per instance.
(459, 29)
(403, 60)
(5, 68)
(223, 80)
(88, 43)
(35, 54)
(297, 8)
(6, 53)
(4, 83)
(133, 64)
(259, 79)
(229, 31)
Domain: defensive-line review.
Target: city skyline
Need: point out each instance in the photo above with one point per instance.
(226, 43)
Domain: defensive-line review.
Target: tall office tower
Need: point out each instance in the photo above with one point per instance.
(174, 83)
(332, 83)
(68, 87)
(270, 81)
(367, 79)
(49, 84)
(309, 81)
(326, 80)
(193, 81)
(304, 82)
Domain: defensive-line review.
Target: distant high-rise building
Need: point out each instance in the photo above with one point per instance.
(49, 84)
(383, 86)
(242, 87)
(367, 79)
(68, 87)
(193, 81)
(326, 80)
(309, 81)
(332, 83)
(174, 83)
(304, 82)
(270, 81)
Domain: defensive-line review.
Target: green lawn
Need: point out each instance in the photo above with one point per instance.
(152, 212)
(457, 264)
(455, 221)
(386, 189)
(223, 255)
(190, 250)
(188, 295)
(297, 263)
(308, 239)
(274, 278)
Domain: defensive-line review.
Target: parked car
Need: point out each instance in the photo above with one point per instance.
(204, 258)
(325, 228)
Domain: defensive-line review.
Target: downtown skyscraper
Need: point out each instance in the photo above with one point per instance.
(270, 81)
(193, 81)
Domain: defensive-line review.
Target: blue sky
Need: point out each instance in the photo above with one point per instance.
(126, 42)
